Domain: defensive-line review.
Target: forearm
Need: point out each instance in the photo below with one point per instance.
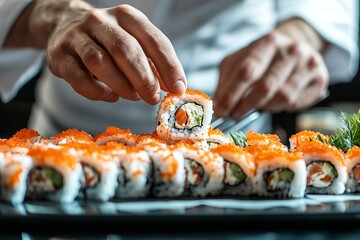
(298, 29)
(36, 23)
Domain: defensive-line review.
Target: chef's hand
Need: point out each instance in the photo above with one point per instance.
(278, 72)
(104, 53)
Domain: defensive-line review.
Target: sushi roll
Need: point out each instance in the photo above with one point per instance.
(204, 171)
(216, 137)
(71, 135)
(135, 173)
(168, 172)
(325, 166)
(115, 134)
(306, 136)
(55, 175)
(279, 174)
(14, 171)
(353, 167)
(240, 170)
(100, 171)
(184, 116)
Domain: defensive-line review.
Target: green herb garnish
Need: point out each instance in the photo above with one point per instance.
(239, 138)
(348, 136)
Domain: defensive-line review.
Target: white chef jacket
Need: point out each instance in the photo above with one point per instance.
(203, 32)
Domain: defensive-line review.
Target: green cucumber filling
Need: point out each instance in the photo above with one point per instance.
(212, 144)
(320, 174)
(234, 175)
(45, 179)
(194, 172)
(279, 179)
(91, 175)
(189, 115)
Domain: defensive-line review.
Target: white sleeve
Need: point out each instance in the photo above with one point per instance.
(337, 22)
(16, 66)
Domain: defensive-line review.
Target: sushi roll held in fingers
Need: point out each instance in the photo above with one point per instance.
(240, 170)
(280, 174)
(184, 116)
(325, 166)
(56, 175)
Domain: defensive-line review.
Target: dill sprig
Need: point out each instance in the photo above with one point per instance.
(349, 135)
(239, 138)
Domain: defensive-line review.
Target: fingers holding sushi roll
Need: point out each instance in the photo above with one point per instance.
(104, 53)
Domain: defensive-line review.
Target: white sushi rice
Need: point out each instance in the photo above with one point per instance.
(168, 173)
(166, 118)
(134, 175)
(297, 185)
(106, 167)
(212, 164)
(12, 164)
(350, 164)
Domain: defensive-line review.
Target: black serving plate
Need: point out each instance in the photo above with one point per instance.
(191, 216)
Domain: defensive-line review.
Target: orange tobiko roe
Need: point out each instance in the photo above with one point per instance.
(254, 136)
(319, 148)
(215, 131)
(307, 136)
(73, 133)
(25, 134)
(353, 153)
(58, 157)
(113, 131)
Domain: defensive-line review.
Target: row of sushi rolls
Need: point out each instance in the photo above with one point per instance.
(183, 157)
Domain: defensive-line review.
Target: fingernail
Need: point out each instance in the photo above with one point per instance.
(179, 87)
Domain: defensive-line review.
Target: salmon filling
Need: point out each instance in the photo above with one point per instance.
(189, 115)
(91, 176)
(279, 179)
(194, 173)
(234, 175)
(356, 173)
(44, 179)
(320, 174)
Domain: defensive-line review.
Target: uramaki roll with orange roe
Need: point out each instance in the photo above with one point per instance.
(216, 137)
(353, 166)
(204, 171)
(279, 174)
(168, 172)
(240, 170)
(115, 134)
(325, 166)
(99, 169)
(135, 173)
(55, 175)
(14, 171)
(184, 116)
(303, 136)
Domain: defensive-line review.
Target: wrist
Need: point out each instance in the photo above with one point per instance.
(39, 19)
(299, 30)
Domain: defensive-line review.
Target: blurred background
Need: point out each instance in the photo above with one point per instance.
(323, 117)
